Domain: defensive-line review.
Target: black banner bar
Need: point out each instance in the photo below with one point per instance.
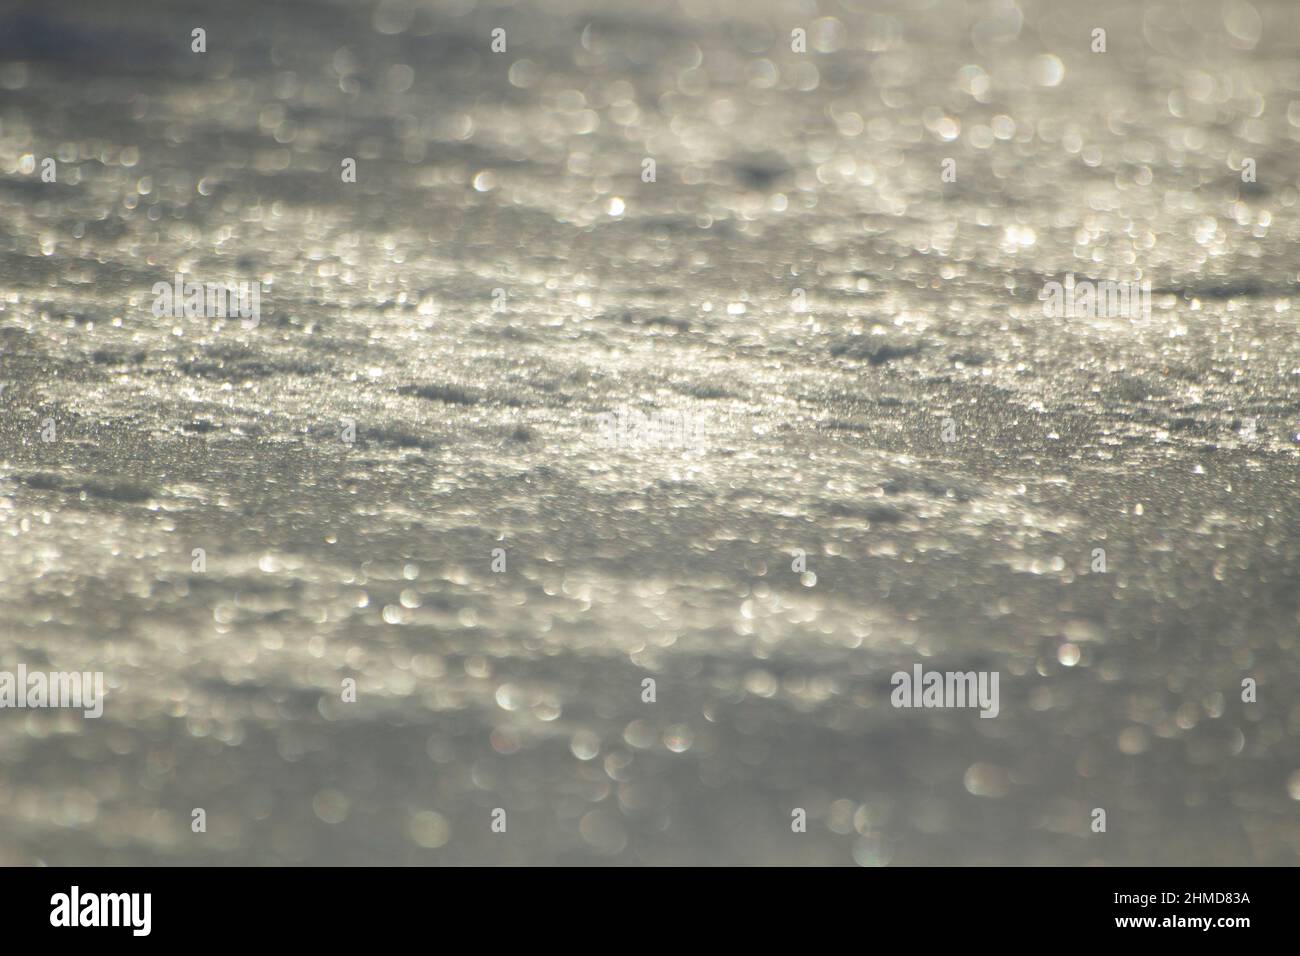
(329, 906)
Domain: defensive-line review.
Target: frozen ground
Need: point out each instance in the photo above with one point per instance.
(822, 430)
